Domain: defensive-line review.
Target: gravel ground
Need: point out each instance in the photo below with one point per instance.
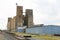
(5, 36)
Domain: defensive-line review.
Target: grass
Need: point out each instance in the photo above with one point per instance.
(45, 37)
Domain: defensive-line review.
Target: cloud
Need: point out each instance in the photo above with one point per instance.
(45, 11)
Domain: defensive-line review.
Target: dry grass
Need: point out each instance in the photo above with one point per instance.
(45, 37)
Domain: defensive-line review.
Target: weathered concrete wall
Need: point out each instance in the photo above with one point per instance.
(29, 17)
(13, 24)
(9, 24)
(25, 21)
(19, 16)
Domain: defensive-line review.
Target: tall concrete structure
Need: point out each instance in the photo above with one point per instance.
(9, 24)
(29, 17)
(20, 20)
(13, 24)
(19, 16)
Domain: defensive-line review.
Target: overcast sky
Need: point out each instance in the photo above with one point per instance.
(44, 11)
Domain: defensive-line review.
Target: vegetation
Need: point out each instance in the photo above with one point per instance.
(45, 37)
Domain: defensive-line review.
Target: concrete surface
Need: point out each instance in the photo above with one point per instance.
(5, 36)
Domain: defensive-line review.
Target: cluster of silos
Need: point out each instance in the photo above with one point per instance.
(20, 20)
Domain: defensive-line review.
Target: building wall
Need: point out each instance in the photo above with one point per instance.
(25, 21)
(13, 24)
(44, 30)
(19, 16)
(29, 17)
(9, 24)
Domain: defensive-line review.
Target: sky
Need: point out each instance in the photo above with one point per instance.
(44, 11)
